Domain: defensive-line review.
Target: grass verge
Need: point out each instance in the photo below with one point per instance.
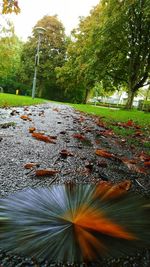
(116, 115)
(112, 116)
(10, 100)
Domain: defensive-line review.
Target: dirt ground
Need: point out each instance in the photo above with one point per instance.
(71, 145)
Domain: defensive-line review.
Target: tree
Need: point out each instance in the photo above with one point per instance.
(10, 49)
(121, 44)
(77, 75)
(52, 55)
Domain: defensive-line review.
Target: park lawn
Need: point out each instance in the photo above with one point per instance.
(116, 115)
(113, 116)
(10, 100)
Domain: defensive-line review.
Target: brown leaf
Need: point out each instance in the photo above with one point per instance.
(53, 137)
(132, 166)
(25, 118)
(79, 136)
(104, 153)
(138, 134)
(65, 153)
(31, 165)
(147, 164)
(32, 129)
(56, 109)
(107, 133)
(46, 172)
(43, 138)
(108, 190)
(101, 124)
(144, 157)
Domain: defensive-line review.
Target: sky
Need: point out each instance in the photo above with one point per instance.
(68, 12)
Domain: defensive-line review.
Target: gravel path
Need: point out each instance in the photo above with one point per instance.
(18, 147)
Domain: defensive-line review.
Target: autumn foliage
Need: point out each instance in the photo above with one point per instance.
(10, 6)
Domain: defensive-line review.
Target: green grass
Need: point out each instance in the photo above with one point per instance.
(112, 115)
(10, 100)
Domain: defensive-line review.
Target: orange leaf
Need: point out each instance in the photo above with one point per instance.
(79, 136)
(25, 118)
(129, 123)
(147, 164)
(108, 190)
(104, 153)
(46, 172)
(43, 138)
(30, 165)
(32, 129)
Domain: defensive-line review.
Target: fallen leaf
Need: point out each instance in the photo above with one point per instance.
(147, 164)
(129, 123)
(43, 138)
(107, 133)
(56, 109)
(144, 157)
(46, 172)
(132, 166)
(25, 118)
(65, 153)
(108, 190)
(53, 137)
(31, 165)
(32, 129)
(79, 136)
(104, 153)
(14, 112)
(101, 124)
(138, 134)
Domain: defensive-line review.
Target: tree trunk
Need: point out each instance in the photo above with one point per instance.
(87, 91)
(131, 95)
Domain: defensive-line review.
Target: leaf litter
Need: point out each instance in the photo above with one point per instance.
(72, 163)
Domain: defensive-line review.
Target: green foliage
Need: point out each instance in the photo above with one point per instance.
(52, 55)
(121, 45)
(10, 49)
(111, 46)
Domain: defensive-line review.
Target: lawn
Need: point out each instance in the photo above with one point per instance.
(112, 115)
(134, 136)
(7, 100)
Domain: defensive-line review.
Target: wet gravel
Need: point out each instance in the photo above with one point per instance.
(18, 147)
